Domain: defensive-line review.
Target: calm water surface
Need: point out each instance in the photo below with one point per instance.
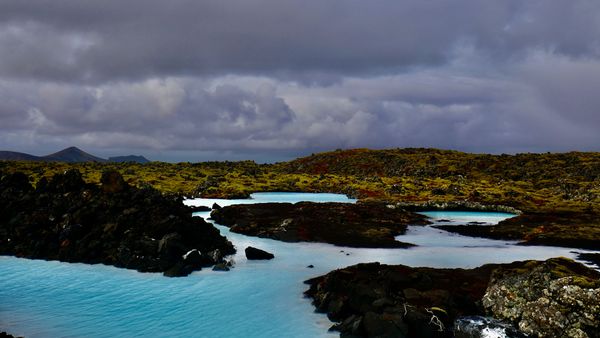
(255, 299)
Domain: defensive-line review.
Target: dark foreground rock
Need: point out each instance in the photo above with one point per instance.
(371, 300)
(555, 298)
(257, 254)
(371, 225)
(572, 230)
(374, 300)
(68, 220)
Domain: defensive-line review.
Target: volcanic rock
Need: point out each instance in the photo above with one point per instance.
(555, 298)
(66, 219)
(112, 182)
(371, 225)
(539, 298)
(566, 229)
(256, 254)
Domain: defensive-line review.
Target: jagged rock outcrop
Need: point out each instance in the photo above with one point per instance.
(66, 219)
(372, 225)
(555, 298)
(375, 300)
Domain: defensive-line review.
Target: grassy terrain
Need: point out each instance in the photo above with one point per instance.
(529, 182)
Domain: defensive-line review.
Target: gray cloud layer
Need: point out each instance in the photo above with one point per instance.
(266, 75)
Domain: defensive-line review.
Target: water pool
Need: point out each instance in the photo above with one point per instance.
(255, 299)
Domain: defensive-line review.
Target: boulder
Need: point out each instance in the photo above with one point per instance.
(555, 298)
(69, 181)
(257, 254)
(112, 182)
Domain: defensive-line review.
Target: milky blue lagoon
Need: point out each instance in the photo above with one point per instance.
(255, 299)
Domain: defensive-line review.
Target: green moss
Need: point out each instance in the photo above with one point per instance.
(529, 182)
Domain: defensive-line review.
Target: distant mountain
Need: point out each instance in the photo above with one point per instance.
(15, 156)
(130, 158)
(71, 155)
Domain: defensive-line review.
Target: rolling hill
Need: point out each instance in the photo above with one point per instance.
(72, 154)
(129, 158)
(15, 156)
(68, 155)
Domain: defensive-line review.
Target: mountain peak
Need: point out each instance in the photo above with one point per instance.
(72, 148)
(72, 154)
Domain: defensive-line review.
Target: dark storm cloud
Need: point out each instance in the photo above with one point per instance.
(289, 76)
(171, 113)
(107, 40)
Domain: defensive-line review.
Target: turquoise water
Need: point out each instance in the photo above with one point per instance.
(463, 217)
(255, 299)
(294, 197)
(282, 197)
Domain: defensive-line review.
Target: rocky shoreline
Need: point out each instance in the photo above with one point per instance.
(367, 225)
(538, 298)
(457, 206)
(569, 229)
(113, 223)
(593, 258)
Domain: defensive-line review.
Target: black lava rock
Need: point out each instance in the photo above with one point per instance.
(255, 254)
(70, 220)
(199, 208)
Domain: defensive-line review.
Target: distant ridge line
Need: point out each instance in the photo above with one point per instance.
(68, 155)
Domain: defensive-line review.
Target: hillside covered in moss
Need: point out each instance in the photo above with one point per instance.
(528, 182)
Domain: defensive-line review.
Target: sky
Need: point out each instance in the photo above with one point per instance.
(269, 80)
